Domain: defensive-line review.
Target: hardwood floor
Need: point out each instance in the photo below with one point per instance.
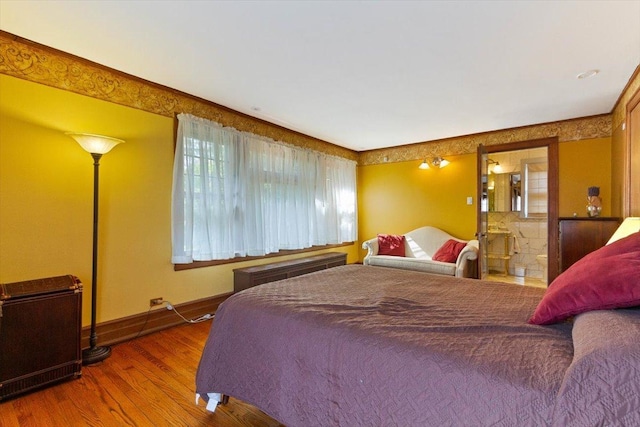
(525, 281)
(149, 381)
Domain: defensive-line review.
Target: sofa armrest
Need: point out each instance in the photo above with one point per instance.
(466, 264)
(371, 246)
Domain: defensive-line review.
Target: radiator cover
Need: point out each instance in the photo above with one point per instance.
(40, 325)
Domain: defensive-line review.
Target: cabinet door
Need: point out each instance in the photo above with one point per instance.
(581, 237)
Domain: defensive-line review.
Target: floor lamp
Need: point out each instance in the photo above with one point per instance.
(96, 145)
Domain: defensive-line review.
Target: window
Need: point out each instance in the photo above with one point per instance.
(237, 194)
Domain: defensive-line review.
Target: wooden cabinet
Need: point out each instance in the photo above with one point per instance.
(580, 236)
(244, 278)
(40, 323)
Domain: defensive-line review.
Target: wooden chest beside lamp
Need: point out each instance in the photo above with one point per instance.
(40, 326)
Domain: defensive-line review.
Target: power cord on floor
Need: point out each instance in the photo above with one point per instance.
(170, 307)
(202, 318)
(144, 325)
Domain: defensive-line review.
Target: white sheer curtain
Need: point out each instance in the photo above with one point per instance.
(238, 194)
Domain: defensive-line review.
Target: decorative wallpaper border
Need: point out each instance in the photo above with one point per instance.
(567, 130)
(41, 64)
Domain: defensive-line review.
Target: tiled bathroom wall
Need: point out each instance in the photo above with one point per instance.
(527, 240)
(537, 187)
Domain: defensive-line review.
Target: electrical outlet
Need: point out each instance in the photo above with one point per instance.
(155, 301)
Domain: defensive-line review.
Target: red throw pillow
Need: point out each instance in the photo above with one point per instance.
(449, 251)
(605, 279)
(391, 244)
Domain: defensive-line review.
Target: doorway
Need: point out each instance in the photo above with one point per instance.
(518, 216)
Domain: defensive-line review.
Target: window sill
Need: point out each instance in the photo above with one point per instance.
(200, 264)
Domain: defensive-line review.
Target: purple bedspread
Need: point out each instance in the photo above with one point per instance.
(372, 346)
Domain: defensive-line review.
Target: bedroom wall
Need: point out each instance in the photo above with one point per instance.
(584, 164)
(398, 197)
(46, 199)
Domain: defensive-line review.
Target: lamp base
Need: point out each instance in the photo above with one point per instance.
(94, 355)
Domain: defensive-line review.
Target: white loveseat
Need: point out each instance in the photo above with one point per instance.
(420, 245)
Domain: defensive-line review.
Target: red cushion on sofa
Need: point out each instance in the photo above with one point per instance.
(449, 251)
(391, 244)
(605, 279)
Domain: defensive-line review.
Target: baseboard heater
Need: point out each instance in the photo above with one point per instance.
(244, 278)
(40, 325)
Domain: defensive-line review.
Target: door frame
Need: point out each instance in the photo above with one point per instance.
(553, 248)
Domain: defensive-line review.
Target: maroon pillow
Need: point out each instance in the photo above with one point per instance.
(449, 251)
(605, 279)
(391, 244)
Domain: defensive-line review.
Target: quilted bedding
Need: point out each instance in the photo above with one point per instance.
(364, 346)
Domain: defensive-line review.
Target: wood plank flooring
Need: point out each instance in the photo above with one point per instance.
(149, 381)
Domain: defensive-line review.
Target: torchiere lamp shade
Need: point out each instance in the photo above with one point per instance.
(95, 144)
(630, 225)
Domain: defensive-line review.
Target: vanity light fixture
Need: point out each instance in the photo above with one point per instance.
(497, 168)
(439, 162)
(436, 162)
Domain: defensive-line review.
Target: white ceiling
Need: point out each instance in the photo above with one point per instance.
(360, 74)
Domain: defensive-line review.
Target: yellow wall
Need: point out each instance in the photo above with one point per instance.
(583, 164)
(398, 197)
(46, 201)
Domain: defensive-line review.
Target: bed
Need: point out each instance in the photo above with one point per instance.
(362, 346)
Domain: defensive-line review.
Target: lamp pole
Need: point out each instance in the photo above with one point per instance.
(95, 354)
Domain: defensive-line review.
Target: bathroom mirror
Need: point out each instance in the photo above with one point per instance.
(504, 192)
(534, 187)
